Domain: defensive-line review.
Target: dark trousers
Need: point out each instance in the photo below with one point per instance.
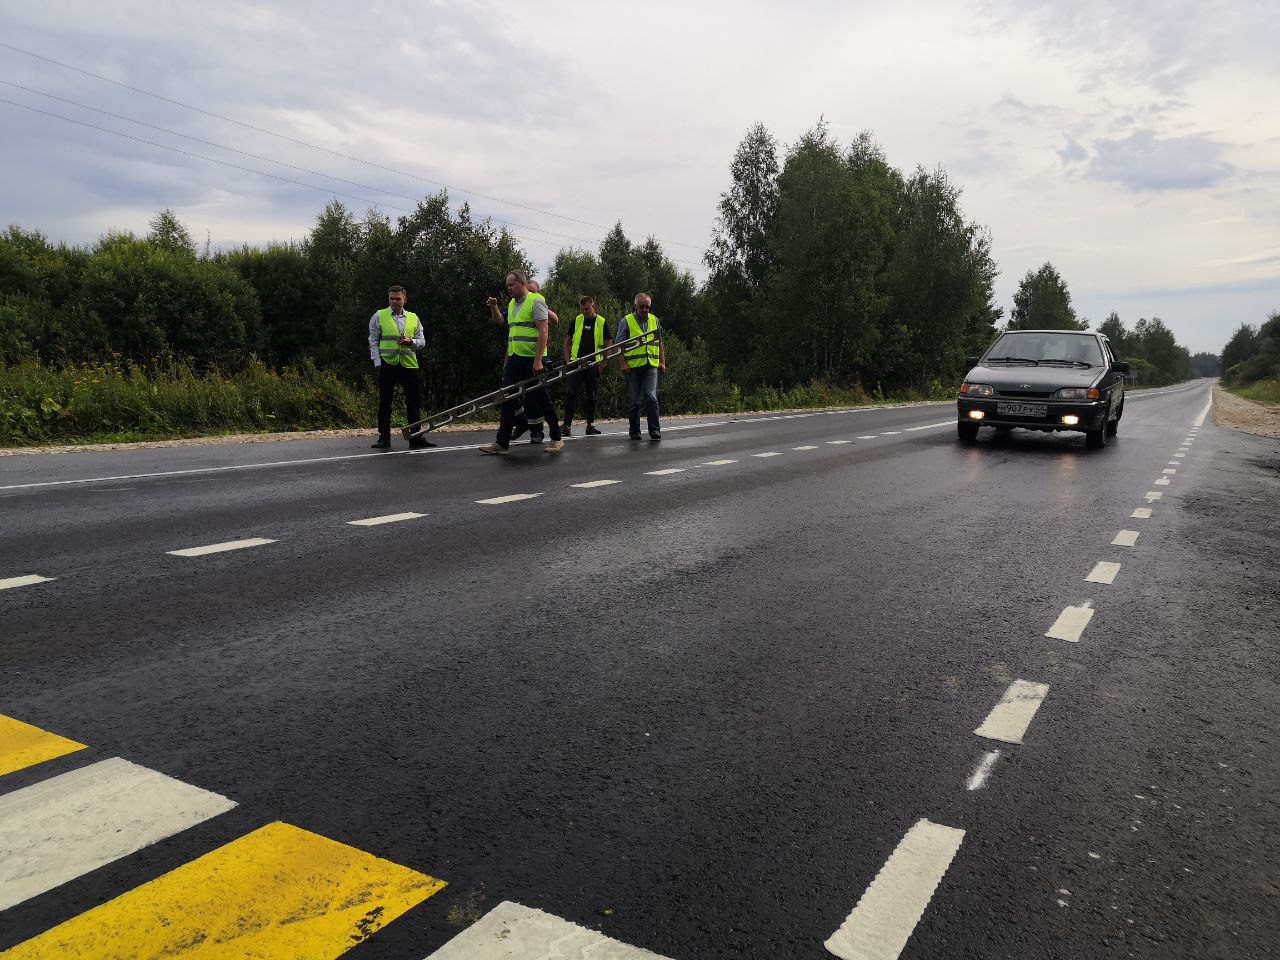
(585, 380)
(642, 385)
(410, 380)
(537, 404)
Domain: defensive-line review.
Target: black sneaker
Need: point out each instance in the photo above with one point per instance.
(421, 443)
(655, 435)
(633, 436)
(382, 443)
(566, 430)
(536, 436)
(592, 431)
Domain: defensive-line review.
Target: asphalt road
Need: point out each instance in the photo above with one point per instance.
(698, 711)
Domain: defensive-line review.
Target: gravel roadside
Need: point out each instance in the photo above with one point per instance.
(1249, 416)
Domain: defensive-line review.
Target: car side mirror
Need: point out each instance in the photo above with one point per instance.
(970, 361)
(1120, 366)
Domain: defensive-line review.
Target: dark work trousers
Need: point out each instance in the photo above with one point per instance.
(585, 380)
(537, 404)
(410, 380)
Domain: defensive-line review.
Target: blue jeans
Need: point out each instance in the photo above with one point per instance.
(643, 382)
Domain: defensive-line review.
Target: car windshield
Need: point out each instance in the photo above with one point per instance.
(1048, 347)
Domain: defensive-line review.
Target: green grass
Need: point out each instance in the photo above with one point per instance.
(120, 402)
(1267, 391)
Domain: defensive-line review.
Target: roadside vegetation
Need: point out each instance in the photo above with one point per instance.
(1251, 361)
(833, 278)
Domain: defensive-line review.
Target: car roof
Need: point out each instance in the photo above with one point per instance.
(1080, 333)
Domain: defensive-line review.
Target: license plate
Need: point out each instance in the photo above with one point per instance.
(1022, 409)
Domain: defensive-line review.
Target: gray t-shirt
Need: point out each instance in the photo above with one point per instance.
(539, 308)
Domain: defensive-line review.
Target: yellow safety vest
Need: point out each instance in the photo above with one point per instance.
(647, 353)
(598, 335)
(388, 348)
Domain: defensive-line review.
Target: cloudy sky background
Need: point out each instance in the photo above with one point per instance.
(1136, 145)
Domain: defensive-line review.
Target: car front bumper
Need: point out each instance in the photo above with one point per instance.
(1089, 414)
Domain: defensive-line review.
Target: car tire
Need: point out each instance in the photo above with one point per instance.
(968, 432)
(1113, 426)
(1097, 439)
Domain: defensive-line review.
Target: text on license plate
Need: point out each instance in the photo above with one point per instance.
(1022, 409)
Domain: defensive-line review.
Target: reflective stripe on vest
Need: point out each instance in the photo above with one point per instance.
(388, 334)
(522, 335)
(598, 335)
(647, 353)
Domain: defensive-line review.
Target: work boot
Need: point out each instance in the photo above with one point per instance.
(592, 431)
(536, 436)
(555, 446)
(655, 435)
(633, 436)
(421, 443)
(382, 443)
(566, 430)
(496, 449)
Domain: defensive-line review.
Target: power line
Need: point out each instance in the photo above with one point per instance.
(313, 146)
(227, 163)
(258, 156)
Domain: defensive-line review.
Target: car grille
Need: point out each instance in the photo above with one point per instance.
(1025, 394)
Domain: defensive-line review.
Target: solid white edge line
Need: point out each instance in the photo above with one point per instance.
(1205, 412)
(511, 931)
(509, 498)
(220, 547)
(1070, 624)
(25, 581)
(1009, 719)
(1104, 571)
(389, 518)
(888, 911)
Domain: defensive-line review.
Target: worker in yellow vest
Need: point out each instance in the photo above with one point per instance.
(395, 337)
(526, 321)
(641, 364)
(523, 423)
(590, 334)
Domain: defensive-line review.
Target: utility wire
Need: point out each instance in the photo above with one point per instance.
(258, 156)
(313, 146)
(227, 163)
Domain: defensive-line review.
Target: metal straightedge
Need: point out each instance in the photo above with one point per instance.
(517, 390)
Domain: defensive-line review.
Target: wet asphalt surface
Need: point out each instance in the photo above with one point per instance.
(696, 712)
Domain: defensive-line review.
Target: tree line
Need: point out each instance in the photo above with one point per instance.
(1252, 355)
(828, 266)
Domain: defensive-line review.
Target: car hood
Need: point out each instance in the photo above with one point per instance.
(1027, 377)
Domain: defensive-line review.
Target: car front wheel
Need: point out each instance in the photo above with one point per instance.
(968, 432)
(1097, 439)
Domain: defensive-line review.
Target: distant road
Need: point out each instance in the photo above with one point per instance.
(694, 697)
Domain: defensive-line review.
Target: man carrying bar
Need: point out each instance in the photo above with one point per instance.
(526, 321)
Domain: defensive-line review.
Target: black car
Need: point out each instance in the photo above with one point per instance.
(1044, 380)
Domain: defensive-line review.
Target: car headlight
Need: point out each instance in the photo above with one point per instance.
(1077, 393)
(976, 389)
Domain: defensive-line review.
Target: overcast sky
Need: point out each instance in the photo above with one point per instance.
(1136, 145)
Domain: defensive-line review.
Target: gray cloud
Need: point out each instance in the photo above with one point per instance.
(1072, 151)
(1142, 161)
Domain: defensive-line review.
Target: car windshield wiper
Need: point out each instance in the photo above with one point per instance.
(1079, 363)
(1013, 360)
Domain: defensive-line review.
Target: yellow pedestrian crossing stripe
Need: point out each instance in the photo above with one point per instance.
(280, 892)
(22, 745)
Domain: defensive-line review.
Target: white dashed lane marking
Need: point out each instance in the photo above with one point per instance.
(982, 770)
(806, 447)
(1169, 470)
(1070, 624)
(1009, 719)
(890, 433)
(887, 913)
(1162, 482)
(220, 547)
(1153, 495)
(590, 484)
(1125, 538)
(26, 581)
(664, 473)
(771, 453)
(1179, 455)
(389, 518)
(870, 436)
(512, 932)
(1104, 571)
(1142, 513)
(64, 827)
(836, 442)
(510, 498)
(719, 463)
